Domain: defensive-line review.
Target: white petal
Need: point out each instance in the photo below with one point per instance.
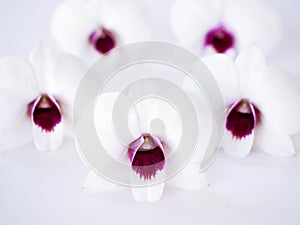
(277, 96)
(154, 115)
(105, 122)
(225, 73)
(72, 24)
(190, 178)
(250, 63)
(45, 141)
(68, 126)
(140, 194)
(253, 22)
(160, 119)
(131, 13)
(18, 87)
(95, 183)
(17, 136)
(42, 59)
(191, 20)
(273, 141)
(237, 147)
(146, 190)
(205, 122)
(68, 71)
(205, 125)
(142, 112)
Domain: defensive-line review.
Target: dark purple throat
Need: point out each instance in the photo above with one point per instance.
(102, 40)
(242, 118)
(45, 113)
(147, 156)
(220, 39)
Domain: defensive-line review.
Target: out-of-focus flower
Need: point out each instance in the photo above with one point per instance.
(90, 28)
(38, 94)
(147, 155)
(224, 26)
(263, 103)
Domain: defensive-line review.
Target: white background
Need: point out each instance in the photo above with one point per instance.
(39, 188)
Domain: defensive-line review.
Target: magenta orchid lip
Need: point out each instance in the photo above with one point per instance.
(103, 40)
(147, 156)
(242, 118)
(45, 112)
(220, 39)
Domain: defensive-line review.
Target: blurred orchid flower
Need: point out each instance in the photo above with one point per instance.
(91, 28)
(224, 26)
(263, 103)
(38, 92)
(147, 154)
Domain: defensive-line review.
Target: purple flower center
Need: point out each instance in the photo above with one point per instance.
(242, 118)
(147, 156)
(220, 39)
(45, 112)
(102, 40)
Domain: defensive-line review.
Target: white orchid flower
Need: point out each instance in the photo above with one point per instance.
(37, 95)
(263, 103)
(224, 26)
(90, 28)
(147, 154)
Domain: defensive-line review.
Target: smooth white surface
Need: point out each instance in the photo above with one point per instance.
(40, 188)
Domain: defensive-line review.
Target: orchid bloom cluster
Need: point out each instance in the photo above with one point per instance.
(262, 101)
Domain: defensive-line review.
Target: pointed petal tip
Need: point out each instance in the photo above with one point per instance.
(283, 153)
(281, 147)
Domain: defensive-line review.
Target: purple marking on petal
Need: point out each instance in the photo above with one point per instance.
(45, 112)
(102, 40)
(134, 146)
(147, 156)
(220, 39)
(242, 118)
